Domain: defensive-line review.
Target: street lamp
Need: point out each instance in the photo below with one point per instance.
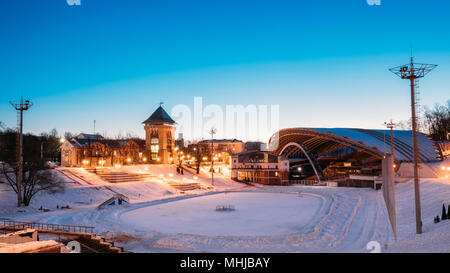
(212, 132)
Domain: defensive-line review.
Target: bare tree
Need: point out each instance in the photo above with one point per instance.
(437, 121)
(36, 176)
(35, 179)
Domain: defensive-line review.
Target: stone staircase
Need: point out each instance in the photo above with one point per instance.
(184, 186)
(119, 177)
(91, 243)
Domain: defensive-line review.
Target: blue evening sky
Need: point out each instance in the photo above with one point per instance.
(325, 63)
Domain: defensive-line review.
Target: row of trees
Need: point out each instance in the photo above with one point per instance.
(435, 122)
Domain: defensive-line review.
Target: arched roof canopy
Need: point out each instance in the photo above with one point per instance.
(320, 141)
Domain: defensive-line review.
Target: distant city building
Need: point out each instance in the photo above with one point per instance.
(255, 146)
(179, 142)
(260, 167)
(223, 149)
(230, 146)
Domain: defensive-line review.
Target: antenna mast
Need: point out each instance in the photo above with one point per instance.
(412, 72)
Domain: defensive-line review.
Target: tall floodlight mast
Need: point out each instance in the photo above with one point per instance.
(412, 72)
(20, 107)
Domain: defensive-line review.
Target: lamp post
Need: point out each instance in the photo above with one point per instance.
(212, 132)
(391, 126)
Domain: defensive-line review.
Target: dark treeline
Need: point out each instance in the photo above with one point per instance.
(45, 146)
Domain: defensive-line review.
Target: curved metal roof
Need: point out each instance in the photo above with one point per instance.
(373, 142)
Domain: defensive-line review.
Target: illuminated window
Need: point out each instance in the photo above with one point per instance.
(154, 148)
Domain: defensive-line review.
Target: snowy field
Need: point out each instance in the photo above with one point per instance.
(159, 218)
(288, 213)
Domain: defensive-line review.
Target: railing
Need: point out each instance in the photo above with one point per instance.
(303, 182)
(10, 224)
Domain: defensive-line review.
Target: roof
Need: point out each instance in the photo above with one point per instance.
(158, 117)
(375, 142)
(111, 143)
(257, 157)
(89, 136)
(220, 141)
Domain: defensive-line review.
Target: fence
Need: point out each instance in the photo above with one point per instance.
(304, 182)
(17, 225)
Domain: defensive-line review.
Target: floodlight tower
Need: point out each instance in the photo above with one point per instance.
(412, 72)
(20, 107)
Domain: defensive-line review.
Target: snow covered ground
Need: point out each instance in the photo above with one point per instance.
(289, 213)
(267, 218)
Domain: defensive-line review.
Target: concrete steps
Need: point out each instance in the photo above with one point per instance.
(119, 177)
(184, 186)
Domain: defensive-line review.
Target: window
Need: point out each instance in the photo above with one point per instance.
(154, 141)
(154, 148)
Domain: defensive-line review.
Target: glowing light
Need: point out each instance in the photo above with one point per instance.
(117, 166)
(205, 158)
(299, 169)
(448, 168)
(171, 174)
(161, 175)
(158, 159)
(443, 168)
(145, 159)
(129, 159)
(62, 140)
(85, 161)
(176, 149)
(195, 177)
